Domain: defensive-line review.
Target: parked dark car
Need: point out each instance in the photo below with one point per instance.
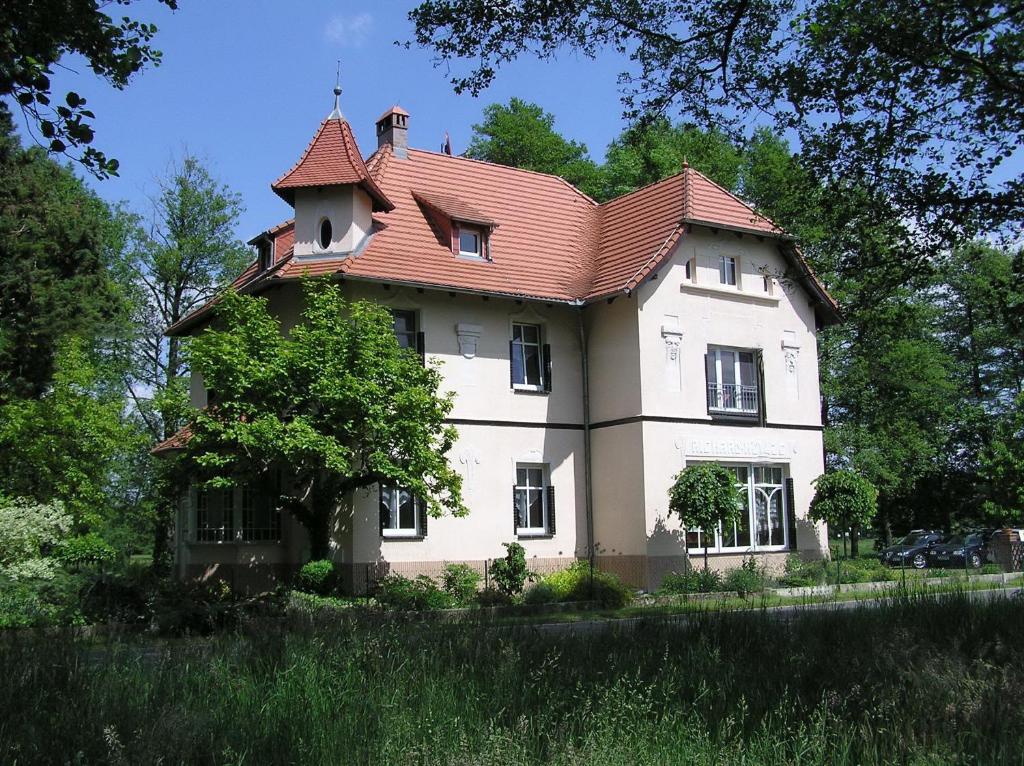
(912, 550)
(955, 550)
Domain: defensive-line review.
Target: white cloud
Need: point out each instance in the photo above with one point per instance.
(349, 31)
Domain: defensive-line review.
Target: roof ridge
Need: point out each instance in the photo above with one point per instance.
(583, 194)
(380, 159)
(639, 189)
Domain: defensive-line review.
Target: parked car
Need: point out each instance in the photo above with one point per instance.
(912, 550)
(969, 549)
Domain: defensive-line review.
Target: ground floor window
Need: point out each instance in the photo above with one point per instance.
(401, 513)
(215, 516)
(242, 514)
(533, 501)
(763, 524)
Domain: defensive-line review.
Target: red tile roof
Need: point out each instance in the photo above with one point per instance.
(551, 241)
(331, 159)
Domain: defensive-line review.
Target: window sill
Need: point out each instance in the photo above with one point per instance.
(239, 543)
(734, 294)
(534, 535)
(521, 388)
(747, 551)
(401, 538)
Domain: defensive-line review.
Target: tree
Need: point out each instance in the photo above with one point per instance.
(333, 406)
(704, 497)
(522, 135)
(1002, 466)
(66, 446)
(921, 101)
(651, 152)
(844, 500)
(37, 35)
(171, 265)
(27, 530)
(56, 240)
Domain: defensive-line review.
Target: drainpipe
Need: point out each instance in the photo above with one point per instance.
(588, 481)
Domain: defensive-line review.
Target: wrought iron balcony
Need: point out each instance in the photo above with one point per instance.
(732, 398)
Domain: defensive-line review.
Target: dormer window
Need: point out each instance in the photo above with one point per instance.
(265, 254)
(471, 243)
(326, 234)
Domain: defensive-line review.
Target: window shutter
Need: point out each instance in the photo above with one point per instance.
(455, 239)
(546, 351)
(422, 519)
(762, 416)
(551, 509)
(511, 364)
(383, 509)
(709, 377)
(791, 513)
(515, 511)
(421, 346)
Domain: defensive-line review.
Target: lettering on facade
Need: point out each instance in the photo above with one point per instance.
(745, 448)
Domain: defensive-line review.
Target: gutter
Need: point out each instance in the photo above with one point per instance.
(587, 473)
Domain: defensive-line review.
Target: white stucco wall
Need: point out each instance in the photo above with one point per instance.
(347, 207)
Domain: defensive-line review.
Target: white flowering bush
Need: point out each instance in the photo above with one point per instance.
(28, 529)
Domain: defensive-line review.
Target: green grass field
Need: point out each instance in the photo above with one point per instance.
(915, 681)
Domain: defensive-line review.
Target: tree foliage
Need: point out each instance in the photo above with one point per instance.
(704, 497)
(333, 407)
(920, 101)
(844, 500)
(522, 135)
(35, 36)
(56, 240)
(27, 530)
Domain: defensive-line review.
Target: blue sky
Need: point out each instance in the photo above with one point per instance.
(245, 83)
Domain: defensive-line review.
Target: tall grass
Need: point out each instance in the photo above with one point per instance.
(915, 681)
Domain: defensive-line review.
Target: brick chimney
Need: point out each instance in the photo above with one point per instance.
(393, 128)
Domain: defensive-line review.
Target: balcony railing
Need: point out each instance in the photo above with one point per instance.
(732, 398)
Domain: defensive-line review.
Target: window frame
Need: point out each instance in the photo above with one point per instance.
(542, 488)
(720, 385)
(727, 263)
(479, 234)
(398, 532)
(204, 533)
(749, 488)
(249, 532)
(539, 345)
(319, 234)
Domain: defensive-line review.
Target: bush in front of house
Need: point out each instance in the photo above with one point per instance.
(460, 581)
(510, 573)
(745, 579)
(692, 581)
(83, 550)
(578, 583)
(317, 577)
(418, 594)
(491, 596)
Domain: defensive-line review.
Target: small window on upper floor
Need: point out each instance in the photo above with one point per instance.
(471, 243)
(326, 234)
(265, 253)
(727, 270)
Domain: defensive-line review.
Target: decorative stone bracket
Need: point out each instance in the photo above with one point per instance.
(468, 335)
(672, 334)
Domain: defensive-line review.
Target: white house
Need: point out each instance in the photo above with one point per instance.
(594, 350)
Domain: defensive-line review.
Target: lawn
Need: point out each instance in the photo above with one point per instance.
(915, 681)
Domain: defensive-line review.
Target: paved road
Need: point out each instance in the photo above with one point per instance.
(786, 612)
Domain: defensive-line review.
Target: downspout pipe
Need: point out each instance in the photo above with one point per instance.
(587, 472)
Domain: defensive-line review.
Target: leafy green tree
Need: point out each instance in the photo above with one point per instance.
(1002, 466)
(844, 500)
(704, 497)
(170, 265)
(522, 135)
(37, 35)
(27, 530)
(646, 154)
(918, 101)
(333, 406)
(56, 239)
(66, 445)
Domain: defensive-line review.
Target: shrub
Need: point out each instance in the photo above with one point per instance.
(991, 569)
(510, 573)
(85, 549)
(418, 594)
(540, 593)
(802, 574)
(693, 581)
(27, 529)
(493, 597)
(575, 583)
(460, 582)
(745, 579)
(317, 577)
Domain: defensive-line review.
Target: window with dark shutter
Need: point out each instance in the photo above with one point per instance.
(421, 346)
(762, 415)
(547, 366)
(515, 508)
(526, 356)
(531, 497)
(402, 513)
